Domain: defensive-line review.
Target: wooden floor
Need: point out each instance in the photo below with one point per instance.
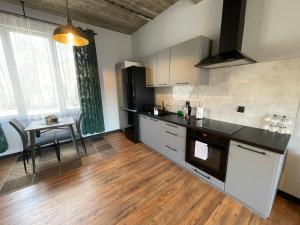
(134, 186)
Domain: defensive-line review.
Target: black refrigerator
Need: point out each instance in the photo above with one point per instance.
(137, 99)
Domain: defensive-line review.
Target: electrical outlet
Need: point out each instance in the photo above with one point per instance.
(241, 109)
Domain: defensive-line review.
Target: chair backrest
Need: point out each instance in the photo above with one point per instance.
(78, 122)
(21, 130)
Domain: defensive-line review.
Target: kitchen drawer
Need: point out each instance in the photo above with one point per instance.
(173, 154)
(205, 176)
(170, 139)
(173, 129)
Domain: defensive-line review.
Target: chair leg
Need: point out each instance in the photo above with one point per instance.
(26, 155)
(24, 161)
(83, 144)
(39, 151)
(57, 150)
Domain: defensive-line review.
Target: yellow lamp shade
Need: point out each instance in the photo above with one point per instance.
(68, 34)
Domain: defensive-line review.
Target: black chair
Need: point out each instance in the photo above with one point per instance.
(40, 142)
(65, 136)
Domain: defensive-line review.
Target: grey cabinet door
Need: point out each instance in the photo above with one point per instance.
(251, 176)
(150, 132)
(144, 126)
(154, 134)
(150, 65)
(183, 59)
(163, 68)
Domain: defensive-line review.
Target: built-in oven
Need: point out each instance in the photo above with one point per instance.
(207, 151)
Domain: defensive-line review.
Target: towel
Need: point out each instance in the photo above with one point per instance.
(201, 150)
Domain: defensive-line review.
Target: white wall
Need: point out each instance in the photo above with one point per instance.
(112, 47)
(290, 181)
(272, 29)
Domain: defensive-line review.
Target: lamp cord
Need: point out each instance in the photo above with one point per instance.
(23, 8)
(69, 21)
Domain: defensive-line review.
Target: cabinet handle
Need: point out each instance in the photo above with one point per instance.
(207, 177)
(171, 133)
(150, 85)
(183, 83)
(162, 84)
(171, 125)
(153, 119)
(173, 149)
(249, 149)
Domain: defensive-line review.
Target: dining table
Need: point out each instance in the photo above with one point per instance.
(36, 126)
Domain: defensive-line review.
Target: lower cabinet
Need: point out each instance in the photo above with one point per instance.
(150, 131)
(143, 127)
(253, 176)
(168, 139)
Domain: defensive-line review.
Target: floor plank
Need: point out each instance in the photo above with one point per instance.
(135, 185)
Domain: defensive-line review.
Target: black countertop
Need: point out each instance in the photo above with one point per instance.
(205, 124)
(253, 136)
(271, 141)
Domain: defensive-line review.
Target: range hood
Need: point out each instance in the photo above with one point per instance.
(232, 29)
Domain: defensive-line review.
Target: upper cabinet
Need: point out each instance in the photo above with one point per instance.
(183, 59)
(176, 65)
(150, 65)
(163, 68)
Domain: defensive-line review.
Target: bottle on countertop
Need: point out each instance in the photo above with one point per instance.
(188, 110)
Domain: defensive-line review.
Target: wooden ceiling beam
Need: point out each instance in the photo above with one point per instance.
(125, 16)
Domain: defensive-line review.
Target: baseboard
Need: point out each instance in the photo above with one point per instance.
(10, 155)
(289, 197)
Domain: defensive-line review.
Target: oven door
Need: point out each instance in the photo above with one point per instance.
(214, 160)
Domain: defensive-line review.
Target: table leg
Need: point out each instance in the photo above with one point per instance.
(74, 139)
(32, 141)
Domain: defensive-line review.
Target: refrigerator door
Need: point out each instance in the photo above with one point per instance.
(129, 93)
(119, 77)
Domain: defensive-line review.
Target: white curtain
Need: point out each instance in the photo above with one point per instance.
(37, 75)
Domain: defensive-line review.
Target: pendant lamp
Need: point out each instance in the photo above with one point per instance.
(69, 34)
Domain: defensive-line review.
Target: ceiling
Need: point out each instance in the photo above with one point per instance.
(125, 16)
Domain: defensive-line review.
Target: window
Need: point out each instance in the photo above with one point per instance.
(7, 103)
(40, 77)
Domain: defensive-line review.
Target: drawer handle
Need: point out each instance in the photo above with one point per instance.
(150, 85)
(162, 84)
(207, 177)
(183, 83)
(171, 125)
(171, 148)
(171, 133)
(249, 149)
(153, 120)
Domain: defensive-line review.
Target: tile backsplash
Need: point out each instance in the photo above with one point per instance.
(263, 88)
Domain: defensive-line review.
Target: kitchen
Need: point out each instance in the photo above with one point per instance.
(233, 127)
(189, 113)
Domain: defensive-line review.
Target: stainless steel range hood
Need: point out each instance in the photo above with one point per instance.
(232, 29)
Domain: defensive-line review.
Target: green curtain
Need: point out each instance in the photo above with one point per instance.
(89, 86)
(3, 142)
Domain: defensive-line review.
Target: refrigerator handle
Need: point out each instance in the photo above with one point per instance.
(129, 110)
